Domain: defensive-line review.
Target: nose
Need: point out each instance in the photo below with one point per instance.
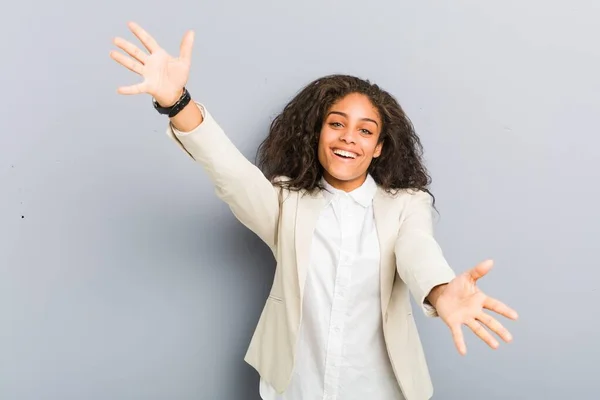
(347, 136)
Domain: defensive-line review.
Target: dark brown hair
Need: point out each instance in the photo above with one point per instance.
(290, 149)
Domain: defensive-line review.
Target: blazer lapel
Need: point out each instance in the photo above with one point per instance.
(309, 207)
(386, 224)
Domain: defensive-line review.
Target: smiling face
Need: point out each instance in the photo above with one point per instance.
(349, 140)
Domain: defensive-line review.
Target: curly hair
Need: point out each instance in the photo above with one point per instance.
(290, 149)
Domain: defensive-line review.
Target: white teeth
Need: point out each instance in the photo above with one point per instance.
(344, 153)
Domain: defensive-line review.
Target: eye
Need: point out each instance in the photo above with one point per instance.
(366, 131)
(335, 124)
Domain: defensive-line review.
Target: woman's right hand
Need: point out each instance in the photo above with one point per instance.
(164, 76)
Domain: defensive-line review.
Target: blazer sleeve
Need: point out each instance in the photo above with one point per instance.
(249, 194)
(419, 258)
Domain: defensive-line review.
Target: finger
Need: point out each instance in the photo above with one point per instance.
(481, 269)
(458, 338)
(127, 62)
(187, 43)
(500, 308)
(133, 89)
(131, 49)
(482, 333)
(495, 326)
(144, 37)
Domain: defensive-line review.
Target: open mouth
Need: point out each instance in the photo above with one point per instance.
(345, 155)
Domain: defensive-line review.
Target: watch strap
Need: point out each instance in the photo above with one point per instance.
(175, 108)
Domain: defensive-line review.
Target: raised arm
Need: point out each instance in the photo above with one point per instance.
(249, 194)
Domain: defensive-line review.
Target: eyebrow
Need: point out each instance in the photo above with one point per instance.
(346, 116)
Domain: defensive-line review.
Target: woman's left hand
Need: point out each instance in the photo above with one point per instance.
(461, 302)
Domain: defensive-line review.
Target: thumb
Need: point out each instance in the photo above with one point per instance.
(185, 50)
(481, 269)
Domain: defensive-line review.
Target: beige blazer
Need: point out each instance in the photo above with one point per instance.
(411, 260)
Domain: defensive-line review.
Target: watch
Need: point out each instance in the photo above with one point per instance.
(175, 108)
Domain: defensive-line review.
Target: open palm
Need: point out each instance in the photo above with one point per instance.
(164, 76)
(462, 303)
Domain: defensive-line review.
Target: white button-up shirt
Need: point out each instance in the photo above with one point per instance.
(341, 353)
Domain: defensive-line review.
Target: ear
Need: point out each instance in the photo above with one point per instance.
(378, 148)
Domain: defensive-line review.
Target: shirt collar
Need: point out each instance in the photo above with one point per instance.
(363, 195)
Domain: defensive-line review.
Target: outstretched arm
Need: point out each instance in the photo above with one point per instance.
(419, 259)
(455, 299)
(251, 197)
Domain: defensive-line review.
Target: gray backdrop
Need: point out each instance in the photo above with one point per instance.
(123, 277)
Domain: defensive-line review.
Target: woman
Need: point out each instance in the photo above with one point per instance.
(342, 202)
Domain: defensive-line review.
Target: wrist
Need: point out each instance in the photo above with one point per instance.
(170, 100)
(182, 101)
(435, 294)
(189, 118)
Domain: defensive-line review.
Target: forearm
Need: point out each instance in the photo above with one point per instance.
(188, 119)
(419, 258)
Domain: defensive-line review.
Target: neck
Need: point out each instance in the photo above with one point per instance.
(345, 185)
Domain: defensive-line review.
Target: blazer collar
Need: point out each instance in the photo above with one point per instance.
(308, 208)
(386, 221)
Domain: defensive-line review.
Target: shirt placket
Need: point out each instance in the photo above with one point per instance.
(334, 355)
